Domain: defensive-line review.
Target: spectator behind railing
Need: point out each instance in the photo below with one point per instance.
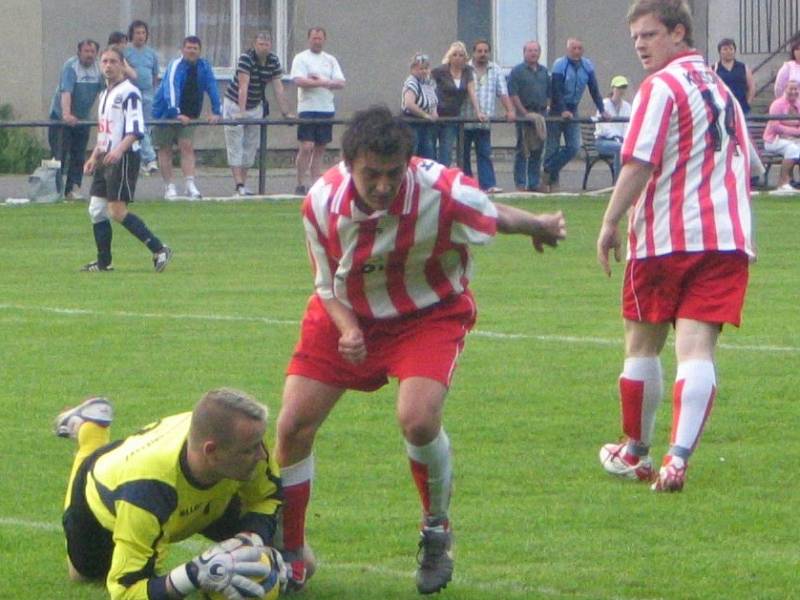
(529, 89)
(490, 84)
(610, 135)
(78, 86)
(245, 99)
(316, 74)
(145, 61)
(736, 75)
(781, 137)
(180, 96)
(790, 69)
(454, 82)
(419, 100)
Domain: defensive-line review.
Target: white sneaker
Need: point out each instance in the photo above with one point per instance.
(785, 190)
(74, 195)
(97, 410)
(170, 193)
(243, 192)
(192, 191)
(151, 167)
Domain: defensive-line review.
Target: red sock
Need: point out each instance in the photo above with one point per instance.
(295, 503)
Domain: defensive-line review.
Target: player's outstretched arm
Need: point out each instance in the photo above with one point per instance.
(545, 229)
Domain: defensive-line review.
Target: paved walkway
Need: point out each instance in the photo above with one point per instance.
(217, 184)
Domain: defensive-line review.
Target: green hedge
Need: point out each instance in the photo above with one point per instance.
(20, 151)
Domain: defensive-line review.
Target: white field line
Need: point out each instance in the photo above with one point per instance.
(195, 545)
(561, 339)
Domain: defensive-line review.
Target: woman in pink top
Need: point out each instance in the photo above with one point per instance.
(789, 70)
(783, 137)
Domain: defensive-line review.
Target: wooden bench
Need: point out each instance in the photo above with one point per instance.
(590, 154)
(756, 131)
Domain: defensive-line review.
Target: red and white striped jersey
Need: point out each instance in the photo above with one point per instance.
(410, 256)
(119, 114)
(687, 124)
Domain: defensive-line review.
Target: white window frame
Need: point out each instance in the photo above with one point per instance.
(279, 36)
(541, 33)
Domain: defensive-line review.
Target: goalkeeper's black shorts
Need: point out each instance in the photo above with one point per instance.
(89, 545)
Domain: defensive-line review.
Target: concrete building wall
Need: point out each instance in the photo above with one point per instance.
(22, 63)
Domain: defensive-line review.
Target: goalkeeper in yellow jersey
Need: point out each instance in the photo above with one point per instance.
(208, 471)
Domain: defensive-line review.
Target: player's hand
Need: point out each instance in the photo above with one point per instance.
(112, 157)
(226, 568)
(352, 346)
(70, 120)
(214, 118)
(606, 240)
(184, 119)
(89, 166)
(483, 117)
(550, 229)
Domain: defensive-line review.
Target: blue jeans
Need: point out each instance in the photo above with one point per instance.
(147, 152)
(527, 166)
(609, 147)
(482, 138)
(446, 135)
(424, 134)
(557, 156)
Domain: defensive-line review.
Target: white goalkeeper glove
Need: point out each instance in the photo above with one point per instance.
(225, 568)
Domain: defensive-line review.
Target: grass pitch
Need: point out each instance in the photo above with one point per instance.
(533, 399)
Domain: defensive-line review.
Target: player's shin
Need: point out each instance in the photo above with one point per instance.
(641, 389)
(693, 398)
(296, 479)
(432, 470)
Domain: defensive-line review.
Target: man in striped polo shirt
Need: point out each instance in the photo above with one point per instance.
(686, 180)
(388, 235)
(245, 98)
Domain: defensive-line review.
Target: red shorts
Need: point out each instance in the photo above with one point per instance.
(702, 286)
(423, 344)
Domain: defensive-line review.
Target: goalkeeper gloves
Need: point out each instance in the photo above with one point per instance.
(225, 568)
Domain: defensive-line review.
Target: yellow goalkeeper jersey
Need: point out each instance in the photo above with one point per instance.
(141, 491)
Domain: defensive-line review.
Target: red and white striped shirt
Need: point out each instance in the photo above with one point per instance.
(396, 261)
(686, 123)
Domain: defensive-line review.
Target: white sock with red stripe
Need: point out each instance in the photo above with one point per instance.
(641, 388)
(693, 398)
(432, 469)
(296, 480)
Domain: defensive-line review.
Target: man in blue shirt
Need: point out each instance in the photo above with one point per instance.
(180, 96)
(78, 86)
(570, 76)
(144, 60)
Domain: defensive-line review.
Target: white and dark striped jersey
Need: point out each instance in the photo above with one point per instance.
(119, 114)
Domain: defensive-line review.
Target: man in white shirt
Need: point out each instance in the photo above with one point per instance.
(316, 74)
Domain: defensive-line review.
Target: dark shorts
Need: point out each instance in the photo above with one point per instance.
(89, 545)
(311, 132)
(117, 181)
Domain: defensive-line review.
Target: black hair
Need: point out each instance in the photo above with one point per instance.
(117, 37)
(191, 39)
(82, 43)
(377, 130)
(726, 42)
(135, 25)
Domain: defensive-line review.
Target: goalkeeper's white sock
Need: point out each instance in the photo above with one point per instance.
(432, 469)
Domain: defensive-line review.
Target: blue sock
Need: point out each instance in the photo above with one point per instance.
(137, 227)
(102, 237)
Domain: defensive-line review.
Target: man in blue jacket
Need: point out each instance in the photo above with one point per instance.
(180, 96)
(570, 76)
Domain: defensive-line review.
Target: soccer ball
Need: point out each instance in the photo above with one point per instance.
(270, 583)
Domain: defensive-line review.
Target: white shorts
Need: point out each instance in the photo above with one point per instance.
(241, 141)
(789, 149)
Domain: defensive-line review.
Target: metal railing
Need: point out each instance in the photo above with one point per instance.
(766, 25)
(265, 123)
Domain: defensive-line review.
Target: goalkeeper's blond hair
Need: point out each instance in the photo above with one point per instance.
(214, 415)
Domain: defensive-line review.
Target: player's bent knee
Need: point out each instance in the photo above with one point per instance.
(98, 209)
(73, 573)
